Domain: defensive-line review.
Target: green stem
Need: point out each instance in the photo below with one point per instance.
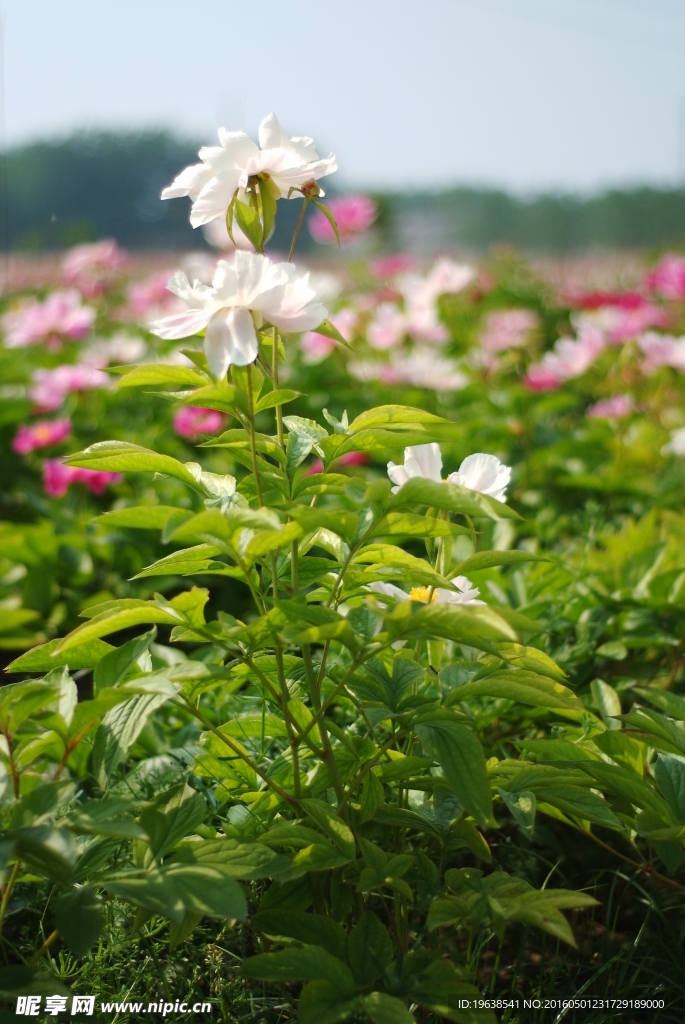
(329, 757)
(7, 893)
(297, 230)
(274, 378)
(295, 567)
(288, 721)
(236, 750)
(44, 948)
(253, 443)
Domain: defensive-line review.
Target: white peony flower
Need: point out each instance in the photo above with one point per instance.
(479, 472)
(466, 593)
(422, 460)
(245, 288)
(287, 163)
(483, 473)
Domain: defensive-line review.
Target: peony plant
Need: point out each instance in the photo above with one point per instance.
(351, 790)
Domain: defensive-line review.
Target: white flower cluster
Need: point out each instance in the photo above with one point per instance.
(248, 289)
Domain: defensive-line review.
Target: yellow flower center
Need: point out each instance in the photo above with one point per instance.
(423, 594)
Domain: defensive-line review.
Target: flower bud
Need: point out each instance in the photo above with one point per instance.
(310, 189)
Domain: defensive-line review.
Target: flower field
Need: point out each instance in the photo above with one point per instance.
(343, 611)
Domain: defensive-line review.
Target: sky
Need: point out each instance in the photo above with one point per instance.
(530, 95)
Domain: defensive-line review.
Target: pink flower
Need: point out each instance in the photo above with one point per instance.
(149, 299)
(618, 323)
(507, 328)
(388, 266)
(92, 267)
(388, 327)
(58, 478)
(40, 435)
(420, 368)
(569, 358)
(662, 350)
(612, 408)
(191, 421)
(61, 315)
(354, 215)
(668, 277)
(316, 347)
(51, 387)
(349, 459)
(421, 296)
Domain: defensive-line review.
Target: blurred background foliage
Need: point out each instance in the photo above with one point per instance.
(107, 184)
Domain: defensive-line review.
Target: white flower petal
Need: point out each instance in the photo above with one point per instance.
(483, 473)
(231, 339)
(181, 325)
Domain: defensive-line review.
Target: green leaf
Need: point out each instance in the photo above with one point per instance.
(143, 517)
(320, 1003)
(669, 775)
(293, 895)
(42, 659)
(525, 687)
(249, 223)
(307, 963)
(331, 824)
(330, 331)
(221, 396)
(408, 524)
(113, 619)
(177, 813)
(237, 440)
(19, 980)
(522, 806)
(207, 890)
(608, 702)
(460, 755)
(471, 624)
(451, 497)
(155, 891)
(268, 204)
(373, 797)
(309, 929)
(274, 398)
(114, 666)
(385, 1009)
(400, 416)
(328, 215)
(370, 949)
(119, 730)
(80, 918)
(159, 373)
(122, 457)
(489, 559)
(47, 850)
(532, 659)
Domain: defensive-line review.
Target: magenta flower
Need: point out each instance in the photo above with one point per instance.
(91, 268)
(40, 435)
(612, 408)
(61, 315)
(191, 421)
(668, 277)
(58, 478)
(51, 387)
(316, 347)
(354, 215)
